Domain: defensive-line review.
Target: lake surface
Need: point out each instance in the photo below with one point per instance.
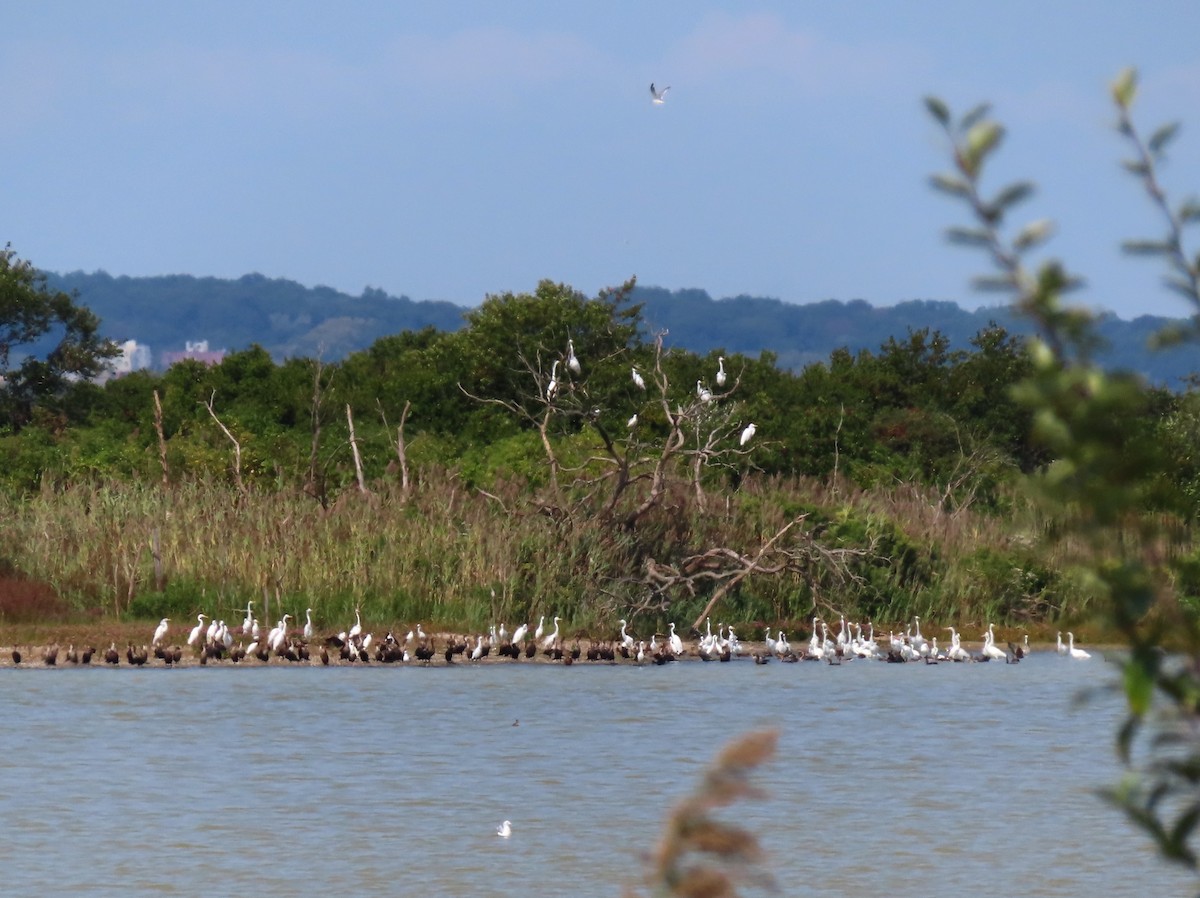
(905, 780)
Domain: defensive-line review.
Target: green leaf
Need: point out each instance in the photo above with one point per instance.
(1124, 87)
(994, 284)
(1033, 234)
(1139, 687)
(1147, 247)
(1013, 194)
(950, 184)
(968, 236)
(938, 110)
(1189, 211)
(1162, 137)
(981, 140)
(975, 115)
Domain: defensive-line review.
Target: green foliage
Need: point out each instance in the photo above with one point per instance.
(1111, 465)
(46, 340)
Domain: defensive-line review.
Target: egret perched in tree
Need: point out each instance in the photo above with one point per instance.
(552, 387)
(637, 380)
(572, 361)
(632, 422)
(702, 392)
(720, 371)
(747, 434)
(658, 97)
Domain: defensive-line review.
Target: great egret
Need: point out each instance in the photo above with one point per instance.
(248, 621)
(505, 829)
(519, 634)
(632, 422)
(720, 371)
(572, 361)
(676, 642)
(747, 434)
(550, 640)
(1076, 652)
(702, 392)
(626, 639)
(552, 387)
(308, 627)
(637, 380)
(197, 631)
(357, 628)
(658, 97)
(160, 632)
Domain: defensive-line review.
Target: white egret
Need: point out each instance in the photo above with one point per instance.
(702, 392)
(676, 642)
(637, 380)
(308, 627)
(1076, 652)
(214, 627)
(626, 639)
(505, 829)
(197, 631)
(572, 360)
(519, 633)
(632, 422)
(747, 434)
(160, 633)
(550, 640)
(541, 627)
(552, 387)
(248, 621)
(720, 371)
(357, 628)
(658, 97)
(477, 652)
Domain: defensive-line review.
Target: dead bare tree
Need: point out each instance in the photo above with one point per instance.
(237, 447)
(162, 440)
(358, 465)
(401, 453)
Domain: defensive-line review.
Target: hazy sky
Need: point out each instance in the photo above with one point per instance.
(454, 149)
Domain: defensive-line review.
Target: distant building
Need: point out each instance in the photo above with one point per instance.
(198, 351)
(134, 357)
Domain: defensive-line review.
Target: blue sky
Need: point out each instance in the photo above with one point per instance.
(457, 149)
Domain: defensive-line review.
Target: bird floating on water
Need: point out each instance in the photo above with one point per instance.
(1074, 651)
(505, 829)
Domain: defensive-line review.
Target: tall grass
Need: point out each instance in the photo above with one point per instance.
(457, 558)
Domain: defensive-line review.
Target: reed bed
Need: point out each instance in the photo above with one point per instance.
(455, 557)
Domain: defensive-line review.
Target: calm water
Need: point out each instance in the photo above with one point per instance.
(890, 779)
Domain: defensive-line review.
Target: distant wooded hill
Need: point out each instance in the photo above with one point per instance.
(289, 320)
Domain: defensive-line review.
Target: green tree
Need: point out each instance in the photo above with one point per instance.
(1109, 466)
(47, 340)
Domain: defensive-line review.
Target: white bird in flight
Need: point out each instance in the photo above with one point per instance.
(747, 434)
(658, 96)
